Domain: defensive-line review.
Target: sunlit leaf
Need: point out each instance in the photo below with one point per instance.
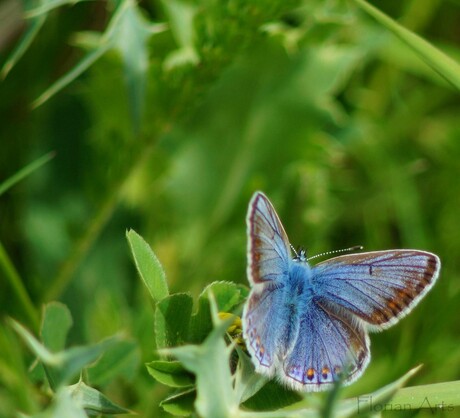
(148, 266)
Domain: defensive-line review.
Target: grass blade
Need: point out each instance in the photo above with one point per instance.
(12, 276)
(24, 172)
(23, 44)
(90, 58)
(437, 397)
(445, 66)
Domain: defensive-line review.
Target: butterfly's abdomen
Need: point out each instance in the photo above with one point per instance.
(297, 293)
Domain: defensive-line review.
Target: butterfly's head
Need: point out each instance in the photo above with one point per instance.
(301, 255)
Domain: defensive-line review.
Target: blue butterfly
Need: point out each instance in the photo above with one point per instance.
(308, 326)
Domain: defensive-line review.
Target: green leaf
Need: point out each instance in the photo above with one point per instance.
(227, 295)
(122, 359)
(172, 320)
(210, 364)
(445, 66)
(57, 321)
(170, 373)
(61, 367)
(93, 401)
(148, 266)
(436, 397)
(181, 404)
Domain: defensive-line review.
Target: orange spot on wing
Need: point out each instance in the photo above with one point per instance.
(394, 307)
(310, 374)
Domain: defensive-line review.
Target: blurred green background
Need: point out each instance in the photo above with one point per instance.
(170, 131)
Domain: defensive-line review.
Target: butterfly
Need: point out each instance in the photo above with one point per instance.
(308, 326)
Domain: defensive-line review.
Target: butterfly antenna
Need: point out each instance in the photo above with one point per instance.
(344, 250)
(293, 249)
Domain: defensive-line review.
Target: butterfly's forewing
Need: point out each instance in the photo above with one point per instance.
(380, 287)
(268, 264)
(268, 244)
(330, 342)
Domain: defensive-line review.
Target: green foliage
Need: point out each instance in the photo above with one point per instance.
(61, 366)
(164, 117)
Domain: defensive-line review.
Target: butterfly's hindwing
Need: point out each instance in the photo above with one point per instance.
(262, 324)
(329, 342)
(380, 287)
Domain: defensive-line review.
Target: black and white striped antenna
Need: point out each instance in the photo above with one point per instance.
(344, 250)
